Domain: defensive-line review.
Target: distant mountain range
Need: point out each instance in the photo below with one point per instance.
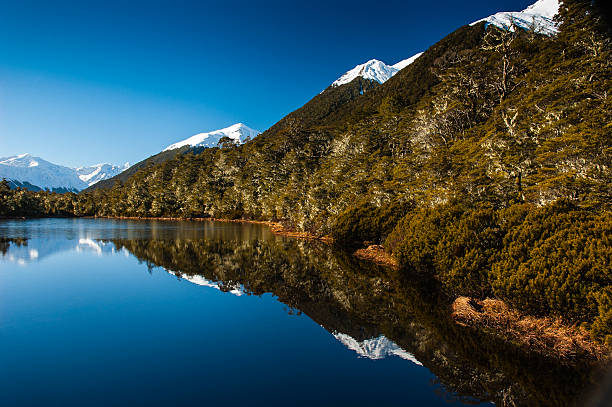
(34, 173)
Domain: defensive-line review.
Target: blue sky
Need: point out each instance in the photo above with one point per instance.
(84, 82)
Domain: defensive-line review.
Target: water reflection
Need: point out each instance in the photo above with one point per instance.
(201, 281)
(375, 348)
(374, 312)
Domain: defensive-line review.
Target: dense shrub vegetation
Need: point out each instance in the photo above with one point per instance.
(368, 223)
(486, 162)
(550, 261)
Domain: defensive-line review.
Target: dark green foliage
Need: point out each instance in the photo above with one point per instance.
(415, 239)
(557, 261)
(368, 223)
(551, 261)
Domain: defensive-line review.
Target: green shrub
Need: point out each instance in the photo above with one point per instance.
(415, 238)
(365, 222)
(547, 261)
(557, 262)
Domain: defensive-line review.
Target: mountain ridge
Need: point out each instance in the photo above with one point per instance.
(238, 133)
(26, 170)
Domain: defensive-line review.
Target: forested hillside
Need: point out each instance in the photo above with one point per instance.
(485, 162)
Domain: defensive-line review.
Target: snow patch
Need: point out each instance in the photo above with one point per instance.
(402, 64)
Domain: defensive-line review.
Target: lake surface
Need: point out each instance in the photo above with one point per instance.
(112, 312)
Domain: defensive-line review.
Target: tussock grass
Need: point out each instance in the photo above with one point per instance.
(545, 335)
(377, 254)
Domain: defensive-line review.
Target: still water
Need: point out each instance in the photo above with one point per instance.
(110, 312)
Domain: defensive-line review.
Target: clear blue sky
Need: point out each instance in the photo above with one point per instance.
(83, 82)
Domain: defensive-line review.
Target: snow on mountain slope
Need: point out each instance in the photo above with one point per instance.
(237, 132)
(375, 70)
(99, 172)
(538, 16)
(43, 174)
(402, 64)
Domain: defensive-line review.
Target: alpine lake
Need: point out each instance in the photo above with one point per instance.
(121, 312)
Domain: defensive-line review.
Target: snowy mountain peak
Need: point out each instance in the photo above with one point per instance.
(538, 16)
(238, 132)
(21, 160)
(99, 172)
(24, 169)
(375, 70)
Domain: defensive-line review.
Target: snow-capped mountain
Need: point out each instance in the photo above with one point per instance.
(37, 173)
(237, 132)
(538, 16)
(98, 172)
(375, 70)
(40, 173)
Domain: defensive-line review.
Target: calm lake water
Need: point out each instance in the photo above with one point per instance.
(109, 312)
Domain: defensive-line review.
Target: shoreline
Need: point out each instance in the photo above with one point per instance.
(377, 254)
(276, 228)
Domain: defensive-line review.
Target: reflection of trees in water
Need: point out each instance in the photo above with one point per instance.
(6, 242)
(364, 301)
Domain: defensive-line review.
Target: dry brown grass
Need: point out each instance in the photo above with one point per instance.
(377, 254)
(546, 335)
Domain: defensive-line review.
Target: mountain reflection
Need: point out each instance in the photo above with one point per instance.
(375, 348)
(201, 281)
(371, 310)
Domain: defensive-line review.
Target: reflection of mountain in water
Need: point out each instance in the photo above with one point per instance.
(36, 249)
(375, 348)
(373, 311)
(199, 280)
